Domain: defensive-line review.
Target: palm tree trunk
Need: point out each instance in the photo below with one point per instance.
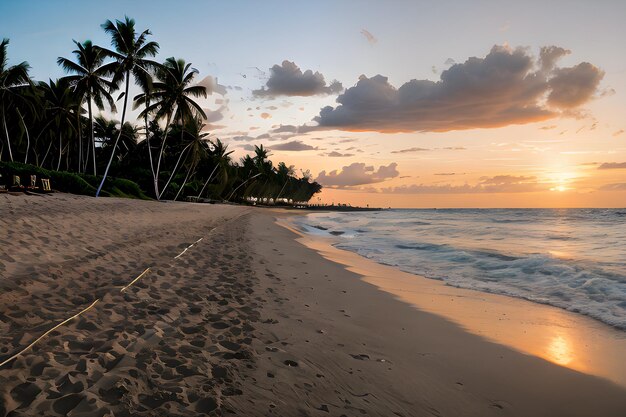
(106, 171)
(158, 167)
(184, 183)
(174, 171)
(46, 155)
(207, 181)
(80, 144)
(93, 139)
(60, 151)
(6, 132)
(27, 137)
(150, 149)
(281, 190)
(231, 194)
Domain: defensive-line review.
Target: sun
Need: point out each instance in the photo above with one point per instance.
(559, 188)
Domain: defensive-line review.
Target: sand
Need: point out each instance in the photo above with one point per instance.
(233, 316)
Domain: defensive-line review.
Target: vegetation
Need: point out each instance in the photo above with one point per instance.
(166, 154)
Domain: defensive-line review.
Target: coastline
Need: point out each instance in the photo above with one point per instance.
(562, 337)
(236, 317)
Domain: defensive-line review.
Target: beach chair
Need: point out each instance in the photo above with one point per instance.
(17, 184)
(33, 183)
(45, 184)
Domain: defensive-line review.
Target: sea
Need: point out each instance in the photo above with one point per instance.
(574, 259)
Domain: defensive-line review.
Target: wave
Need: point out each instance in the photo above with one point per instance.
(572, 259)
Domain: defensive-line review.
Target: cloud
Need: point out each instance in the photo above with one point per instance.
(497, 184)
(289, 80)
(294, 145)
(242, 138)
(549, 55)
(286, 129)
(212, 86)
(357, 174)
(507, 86)
(619, 132)
(266, 116)
(371, 39)
(613, 165)
(411, 150)
(572, 87)
(614, 187)
(335, 154)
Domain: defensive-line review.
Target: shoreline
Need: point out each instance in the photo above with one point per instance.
(236, 317)
(568, 339)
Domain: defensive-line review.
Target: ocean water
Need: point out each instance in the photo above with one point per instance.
(574, 259)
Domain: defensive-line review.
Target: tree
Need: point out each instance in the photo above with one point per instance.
(12, 79)
(130, 55)
(61, 109)
(198, 148)
(89, 81)
(221, 159)
(171, 99)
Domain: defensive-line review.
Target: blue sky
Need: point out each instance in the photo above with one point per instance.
(414, 39)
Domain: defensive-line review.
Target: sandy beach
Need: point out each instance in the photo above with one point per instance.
(198, 309)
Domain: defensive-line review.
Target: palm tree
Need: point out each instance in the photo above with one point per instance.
(221, 159)
(62, 106)
(171, 98)
(12, 78)
(90, 83)
(130, 55)
(107, 130)
(284, 174)
(198, 148)
(146, 86)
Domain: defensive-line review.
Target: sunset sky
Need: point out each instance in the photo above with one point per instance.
(394, 103)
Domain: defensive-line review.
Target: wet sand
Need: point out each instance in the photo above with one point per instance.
(234, 317)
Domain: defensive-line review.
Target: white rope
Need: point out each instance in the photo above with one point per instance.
(90, 306)
(133, 281)
(187, 248)
(48, 332)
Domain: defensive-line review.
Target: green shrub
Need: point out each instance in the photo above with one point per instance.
(69, 182)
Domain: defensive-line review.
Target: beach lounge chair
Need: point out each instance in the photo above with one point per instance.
(33, 183)
(17, 184)
(45, 184)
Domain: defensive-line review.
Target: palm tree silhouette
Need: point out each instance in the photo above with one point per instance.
(221, 158)
(198, 147)
(130, 55)
(62, 106)
(89, 81)
(12, 79)
(171, 98)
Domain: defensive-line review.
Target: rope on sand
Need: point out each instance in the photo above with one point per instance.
(48, 332)
(96, 302)
(135, 280)
(187, 248)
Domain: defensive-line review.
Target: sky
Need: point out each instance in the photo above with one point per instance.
(390, 103)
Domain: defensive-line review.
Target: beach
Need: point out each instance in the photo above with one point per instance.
(199, 309)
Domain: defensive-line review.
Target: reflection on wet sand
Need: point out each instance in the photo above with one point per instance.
(560, 351)
(556, 335)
